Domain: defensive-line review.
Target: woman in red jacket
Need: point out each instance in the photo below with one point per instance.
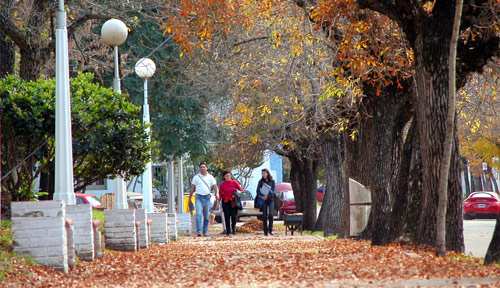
(226, 194)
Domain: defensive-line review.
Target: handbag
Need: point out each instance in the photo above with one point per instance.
(237, 200)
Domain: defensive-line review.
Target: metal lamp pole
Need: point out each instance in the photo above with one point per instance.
(145, 69)
(63, 189)
(114, 33)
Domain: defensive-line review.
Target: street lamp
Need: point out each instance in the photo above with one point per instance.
(63, 189)
(114, 33)
(145, 69)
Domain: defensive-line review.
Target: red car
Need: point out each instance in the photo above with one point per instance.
(481, 203)
(88, 199)
(286, 204)
(320, 193)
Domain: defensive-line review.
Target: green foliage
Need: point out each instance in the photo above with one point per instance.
(177, 108)
(108, 135)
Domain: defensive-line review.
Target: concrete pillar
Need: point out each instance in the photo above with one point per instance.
(172, 228)
(83, 230)
(141, 215)
(120, 229)
(39, 231)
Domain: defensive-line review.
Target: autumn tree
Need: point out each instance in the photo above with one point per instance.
(428, 27)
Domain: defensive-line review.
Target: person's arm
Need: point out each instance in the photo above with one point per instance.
(193, 187)
(220, 191)
(238, 186)
(273, 186)
(259, 185)
(216, 191)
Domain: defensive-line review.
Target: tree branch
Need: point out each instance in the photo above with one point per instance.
(11, 30)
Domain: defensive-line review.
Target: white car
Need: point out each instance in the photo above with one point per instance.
(247, 202)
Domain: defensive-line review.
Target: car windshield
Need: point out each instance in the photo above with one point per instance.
(288, 195)
(93, 201)
(482, 195)
(246, 196)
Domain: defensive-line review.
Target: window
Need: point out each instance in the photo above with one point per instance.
(101, 184)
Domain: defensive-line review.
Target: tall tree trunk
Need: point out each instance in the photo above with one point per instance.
(448, 138)
(333, 201)
(304, 182)
(431, 54)
(401, 191)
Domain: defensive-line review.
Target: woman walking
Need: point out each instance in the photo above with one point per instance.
(265, 191)
(226, 194)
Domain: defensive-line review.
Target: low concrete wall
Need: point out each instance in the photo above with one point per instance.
(39, 231)
(172, 228)
(184, 225)
(120, 229)
(84, 232)
(159, 228)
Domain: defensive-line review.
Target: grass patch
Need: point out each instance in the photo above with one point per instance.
(6, 255)
(99, 215)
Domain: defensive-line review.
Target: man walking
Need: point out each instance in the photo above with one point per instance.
(201, 186)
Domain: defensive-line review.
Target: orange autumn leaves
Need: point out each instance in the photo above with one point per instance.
(257, 260)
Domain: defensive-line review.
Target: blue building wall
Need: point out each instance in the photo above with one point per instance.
(277, 165)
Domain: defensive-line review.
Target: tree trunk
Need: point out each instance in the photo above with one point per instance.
(431, 52)
(304, 182)
(333, 201)
(401, 191)
(493, 253)
(448, 138)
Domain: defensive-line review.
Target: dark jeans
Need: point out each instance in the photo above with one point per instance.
(268, 207)
(229, 214)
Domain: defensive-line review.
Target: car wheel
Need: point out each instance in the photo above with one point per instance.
(218, 219)
(467, 217)
(280, 215)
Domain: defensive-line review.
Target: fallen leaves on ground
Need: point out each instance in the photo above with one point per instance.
(254, 260)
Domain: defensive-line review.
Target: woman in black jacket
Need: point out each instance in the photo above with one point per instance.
(265, 196)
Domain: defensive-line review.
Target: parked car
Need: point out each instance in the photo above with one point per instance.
(320, 193)
(91, 199)
(134, 200)
(278, 202)
(481, 204)
(286, 202)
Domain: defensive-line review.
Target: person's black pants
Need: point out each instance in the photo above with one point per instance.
(268, 212)
(229, 216)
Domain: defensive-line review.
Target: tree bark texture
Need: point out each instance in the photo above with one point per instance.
(7, 52)
(333, 201)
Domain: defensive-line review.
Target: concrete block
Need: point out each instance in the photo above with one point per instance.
(125, 240)
(172, 229)
(55, 208)
(143, 237)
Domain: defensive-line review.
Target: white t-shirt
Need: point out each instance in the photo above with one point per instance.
(201, 188)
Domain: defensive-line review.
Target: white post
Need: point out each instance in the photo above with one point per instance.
(147, 180)
(114, 32)
(171, 185)
(63, 189)
(145, 68)
(180, 188)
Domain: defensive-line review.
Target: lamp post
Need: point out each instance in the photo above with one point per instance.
(145, 69)
(63, 189)
(114, 33)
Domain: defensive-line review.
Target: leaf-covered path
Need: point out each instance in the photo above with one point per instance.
(250, 260)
